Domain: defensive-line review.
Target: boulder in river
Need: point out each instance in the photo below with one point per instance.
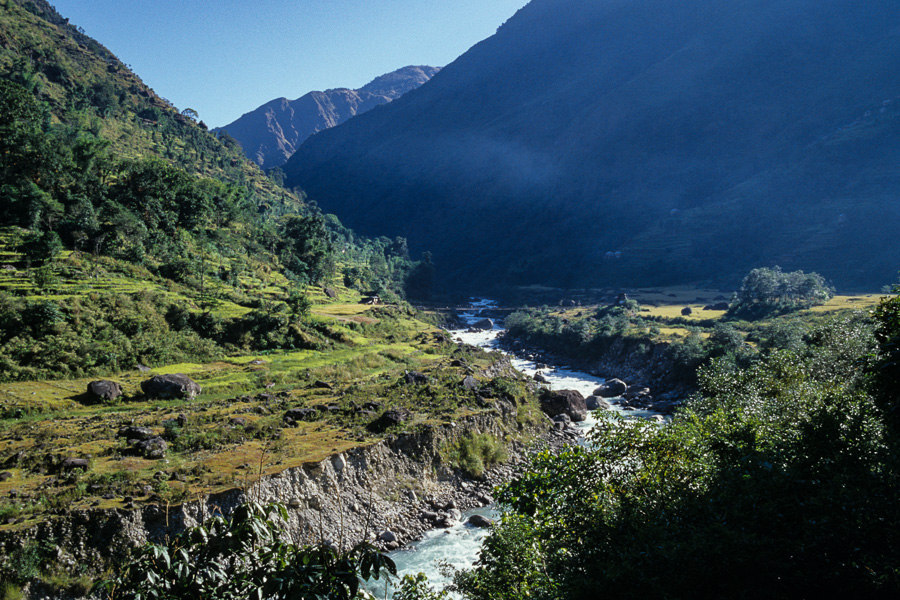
(611, 388)
(636, 391)
(539, 377)
(103, 390)
(175, 385)
(387, 536)
(596, 403)
(568, 402)
(480, 521)
(482, 325)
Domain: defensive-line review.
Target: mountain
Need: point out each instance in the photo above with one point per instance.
(622, 142)
(94, 161)
(88, 89)
(270, 134)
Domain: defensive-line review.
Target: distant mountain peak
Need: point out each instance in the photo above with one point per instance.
(270, 134)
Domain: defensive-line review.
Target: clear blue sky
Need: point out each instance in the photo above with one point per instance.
(226, 57)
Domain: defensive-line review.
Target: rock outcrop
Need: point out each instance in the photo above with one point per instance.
(176, 385)
(564, 402)
(103, 390)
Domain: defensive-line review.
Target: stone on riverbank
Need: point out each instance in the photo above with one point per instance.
(568, 402)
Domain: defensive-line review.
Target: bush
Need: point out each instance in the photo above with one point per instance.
(476, 452)
(765, 292)
(242, 557)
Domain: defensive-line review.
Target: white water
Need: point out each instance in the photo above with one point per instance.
(459, 545)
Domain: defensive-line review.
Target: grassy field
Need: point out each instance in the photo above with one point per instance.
(233, 431)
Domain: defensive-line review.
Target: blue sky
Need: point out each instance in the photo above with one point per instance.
(226, 57)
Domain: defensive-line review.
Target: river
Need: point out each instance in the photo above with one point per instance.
(459, 545)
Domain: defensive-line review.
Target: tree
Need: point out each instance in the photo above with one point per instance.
(307, 247)
(420, 279)
(42, 247)
(242, 557)
(776, 482)
(768, 291)
(191, 114)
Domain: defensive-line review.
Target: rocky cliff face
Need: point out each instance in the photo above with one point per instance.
(346, 498)
(270, 134)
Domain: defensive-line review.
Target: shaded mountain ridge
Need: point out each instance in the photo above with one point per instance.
(638, 143)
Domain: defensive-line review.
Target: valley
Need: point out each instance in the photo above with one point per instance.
(591, 311)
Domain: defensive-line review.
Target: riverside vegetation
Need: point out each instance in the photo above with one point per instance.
(777, 479)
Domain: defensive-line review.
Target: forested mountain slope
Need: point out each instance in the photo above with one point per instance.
(622, 142)
(108, 193)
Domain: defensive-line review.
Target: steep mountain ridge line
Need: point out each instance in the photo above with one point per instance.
(659, 107)
(270, 134)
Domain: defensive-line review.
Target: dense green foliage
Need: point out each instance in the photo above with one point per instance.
(770, 291)
(93, 162)
(595, 336)
(777, 481)
(243, 557)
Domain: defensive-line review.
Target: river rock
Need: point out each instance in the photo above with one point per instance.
(636, 391)
(482, 325)
(428, 515)
(480, 521)
(539, 377)
(390, 418)
(596, 403)
(387, 536)
(611, 388)
(454, 514)
(569, 402)
(103, 390)
(175, 385)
